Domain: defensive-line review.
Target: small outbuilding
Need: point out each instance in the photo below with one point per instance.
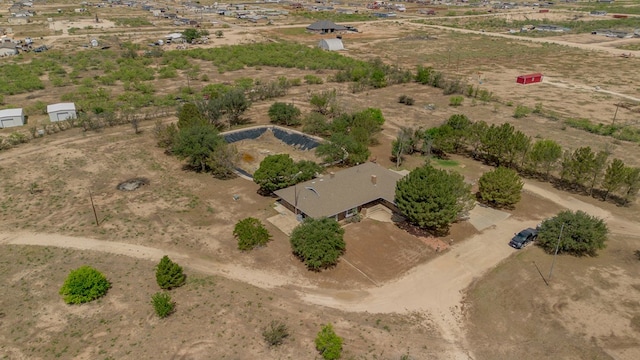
(61, 111)
(529, 78)
(11, 118)
(331, 44)
(8, 49)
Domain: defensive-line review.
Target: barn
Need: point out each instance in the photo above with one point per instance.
(529, 78)
(11, 118)
(331, 44)
(61, 111)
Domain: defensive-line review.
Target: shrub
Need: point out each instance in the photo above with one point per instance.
(404, 99)
(313, 80)
(456, 100)
(250, 233)
(162, 304)
(275, 333)
(169, 275)
(318, 243)
(521, 111)
(328, 343)
(84, 284)
(284, 114)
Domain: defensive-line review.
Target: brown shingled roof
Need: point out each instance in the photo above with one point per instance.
(346, 189)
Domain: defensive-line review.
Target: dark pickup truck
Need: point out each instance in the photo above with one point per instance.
(523, 238)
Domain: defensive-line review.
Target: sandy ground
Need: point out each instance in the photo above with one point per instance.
(435, 287)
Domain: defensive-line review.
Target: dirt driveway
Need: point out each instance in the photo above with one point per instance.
(435, 287)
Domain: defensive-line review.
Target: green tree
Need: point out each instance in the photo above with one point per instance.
(577, 166)
(632, 183)
(251, 233)
(316, 124)
(169, 275)
(597, 170)
(190, 116)
(328, 343)
(614, 177)
(84, 284)
(501, 187)
(197, 144)
(432, 198)
(459, 125)
(222, 161)
(275, 172)
(474, 135)
(324, 102)
(234, 104)
(582, 234)
(318, 243)
(545, 154)
(284, 114)
(162, 304)
(496, 143)
(343, 148)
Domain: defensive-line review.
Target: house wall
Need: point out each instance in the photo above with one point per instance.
(61, 115)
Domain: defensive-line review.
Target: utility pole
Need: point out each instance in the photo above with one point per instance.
(615, 114)
(556, 254)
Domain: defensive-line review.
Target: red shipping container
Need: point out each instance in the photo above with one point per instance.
(529, 78)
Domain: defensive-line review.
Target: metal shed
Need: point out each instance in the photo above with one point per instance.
(61, 111)
(331, 44)
(11, 118)
(529, 78)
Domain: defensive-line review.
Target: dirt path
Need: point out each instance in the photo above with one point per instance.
(565, 85)
(436, 288)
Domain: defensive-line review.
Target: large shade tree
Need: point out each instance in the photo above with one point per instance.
(280, 171)
(433, 199)
(576, 233)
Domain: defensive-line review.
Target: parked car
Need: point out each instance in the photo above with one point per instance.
(524, 238)
(41, 48)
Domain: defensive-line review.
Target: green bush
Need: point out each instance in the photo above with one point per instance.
(328, 343)
(162, 304)
(521, 111)
(275, 333)
(313, 80)
(456, 100)
(250, 233)
(318, 243)
(169, 275)
(84, 284)
(284, 114)
(579, 234)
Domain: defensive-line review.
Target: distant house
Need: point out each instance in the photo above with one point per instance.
(331, 44)
(61, 111)
(8, 49)
(325, 27)
(11, 118)
(553, 28)
(342, 194)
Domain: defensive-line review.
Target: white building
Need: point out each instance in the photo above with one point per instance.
(61, 111)
(11, 118)
(331, 44)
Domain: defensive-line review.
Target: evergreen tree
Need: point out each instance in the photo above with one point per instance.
(614, 177)
(318, 243)
(501, 187)
(169, 275)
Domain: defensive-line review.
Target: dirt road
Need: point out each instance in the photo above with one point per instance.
(435, 288)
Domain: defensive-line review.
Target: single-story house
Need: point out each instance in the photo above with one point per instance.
(331, 44)
(11, 118)
(342, 194)
(325, 27)
(8, 49)
(61, 111)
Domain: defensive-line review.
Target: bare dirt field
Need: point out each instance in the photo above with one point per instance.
(392, 294)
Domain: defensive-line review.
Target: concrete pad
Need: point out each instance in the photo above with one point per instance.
(285, 220)
(482, 216)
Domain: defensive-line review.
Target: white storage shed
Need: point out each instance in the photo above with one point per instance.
(11, 118)
(61, 111)
(331, 44)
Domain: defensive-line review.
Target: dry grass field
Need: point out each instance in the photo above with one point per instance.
(393, 296)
